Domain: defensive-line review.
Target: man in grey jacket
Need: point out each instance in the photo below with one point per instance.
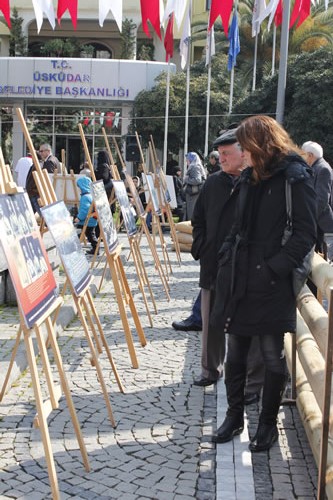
(323, 184)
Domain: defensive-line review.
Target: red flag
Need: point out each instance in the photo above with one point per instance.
(168, 38)
(4, 7)
(300, 11)
(109, 118)
(150, 9)
(278, 14)
(71, 5)
(220, 8)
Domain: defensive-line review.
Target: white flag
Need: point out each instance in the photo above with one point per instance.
(185, 38)
(178, 7)
(210, 45)
(116, 7)
(41, 7)
(269, 11)
(258, 8)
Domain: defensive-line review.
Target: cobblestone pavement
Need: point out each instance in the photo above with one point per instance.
(160, 448)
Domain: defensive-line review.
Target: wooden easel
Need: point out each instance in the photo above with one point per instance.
(122, 290)
(161, 186)
(156, 225)
(44, 408)
(142, 217)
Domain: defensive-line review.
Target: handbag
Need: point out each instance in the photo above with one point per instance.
(301, 273)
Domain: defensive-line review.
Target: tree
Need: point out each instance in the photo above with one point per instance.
(308, 99)
(149, 107)
(128, 39)
(18, 43)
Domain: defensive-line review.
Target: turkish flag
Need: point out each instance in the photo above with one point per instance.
(109, 118)
(300, 11)
(71, 5)
(4, 7)
(150, 10)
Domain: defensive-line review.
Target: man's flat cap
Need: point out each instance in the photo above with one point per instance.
(228, 137)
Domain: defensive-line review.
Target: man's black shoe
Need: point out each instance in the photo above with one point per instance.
(204, 382)
(232, 426)
(186, 325)
(265, 437)
(251, 398)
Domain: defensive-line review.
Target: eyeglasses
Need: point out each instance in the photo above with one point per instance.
(42, 150)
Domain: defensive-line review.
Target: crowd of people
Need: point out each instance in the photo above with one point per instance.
(238, 211)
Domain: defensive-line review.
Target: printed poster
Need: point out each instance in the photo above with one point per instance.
(105, 220)
(126, 208)
(74, 260)
(26, 256)
(135, 195)
(152, 193)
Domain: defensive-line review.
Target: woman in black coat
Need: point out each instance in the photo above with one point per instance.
(103, 171)
(254, 288)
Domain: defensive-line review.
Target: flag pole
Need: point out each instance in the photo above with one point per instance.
(255, 62)
(232, 74)
(187, 101)
(208, 91)
(165, 150)
(273, 51)
(282, 79)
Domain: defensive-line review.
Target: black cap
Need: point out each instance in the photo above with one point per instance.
(228, 137)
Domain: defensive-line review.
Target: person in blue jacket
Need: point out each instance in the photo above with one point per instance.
(84, 184)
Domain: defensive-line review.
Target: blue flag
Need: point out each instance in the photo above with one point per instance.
(234, 47)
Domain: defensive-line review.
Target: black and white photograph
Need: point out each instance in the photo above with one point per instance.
(104, 213)
(125, 207)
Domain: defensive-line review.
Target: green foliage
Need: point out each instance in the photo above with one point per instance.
(18, 43)
(145, 50)
(128, 39)
(61, 47)
(308, 99)
(149, 108)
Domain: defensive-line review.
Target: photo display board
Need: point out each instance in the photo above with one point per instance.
(126, 207)
(104, 213)
(26, 256)
(61, 227)
(152, 192)
(135, 195)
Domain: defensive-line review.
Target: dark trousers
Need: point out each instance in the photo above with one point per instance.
(91, 236)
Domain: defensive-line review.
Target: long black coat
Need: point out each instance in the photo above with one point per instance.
(254, 284)
(212, 220)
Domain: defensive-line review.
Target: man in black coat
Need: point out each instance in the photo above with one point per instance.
(323, 185)
(212, 219)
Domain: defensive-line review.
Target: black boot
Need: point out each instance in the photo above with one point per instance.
(267, 433)
(235, 376)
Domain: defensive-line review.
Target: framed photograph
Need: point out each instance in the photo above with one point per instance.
(105, 219)
(125, 207)
(74, 260)
(26, 257)
(135, 195)
(153, 193)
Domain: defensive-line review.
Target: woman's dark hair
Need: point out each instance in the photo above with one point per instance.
(267, 141)
(103, 157)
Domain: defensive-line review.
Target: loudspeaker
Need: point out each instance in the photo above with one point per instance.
(132, 150)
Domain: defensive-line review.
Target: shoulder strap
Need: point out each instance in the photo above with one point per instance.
(289, 204)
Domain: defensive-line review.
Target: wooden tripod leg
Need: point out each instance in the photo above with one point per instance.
(92, 328)
(134, 312)
(47, 369)
(94, 355)
(173, 233)
(103, 276)
(104, 342)
(41, 415)
(122, 311)
(164, 248)
(65, 388)
(144, 273)
(157, 261)
(11, 363)
(140, 281)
